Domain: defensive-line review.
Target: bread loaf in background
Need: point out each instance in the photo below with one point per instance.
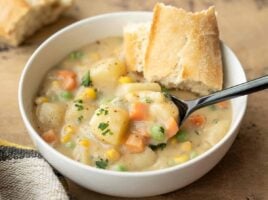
(21, 18)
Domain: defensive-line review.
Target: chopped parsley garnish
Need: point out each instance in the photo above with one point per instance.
(160, 146)
(86, 80)
(165, 91)
(79, 104)
(80, 118)
(196, 132)
(162, 130)
(101, 163)
(148, 100)
(78, 101)
(79, 107)
(102, 111)
(76, 55)
(104, 128)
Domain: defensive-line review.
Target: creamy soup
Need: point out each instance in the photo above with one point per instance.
(91, 109)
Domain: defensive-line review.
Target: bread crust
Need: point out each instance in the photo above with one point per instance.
(135, 44)
(184, 50)
(21, 18)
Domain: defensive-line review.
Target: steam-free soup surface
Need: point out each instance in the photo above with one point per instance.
(91, 109)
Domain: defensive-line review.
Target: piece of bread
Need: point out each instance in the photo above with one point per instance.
(184, 50)
(21, 18)
(135, 45)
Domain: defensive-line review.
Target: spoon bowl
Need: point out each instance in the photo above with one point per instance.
(187, 107)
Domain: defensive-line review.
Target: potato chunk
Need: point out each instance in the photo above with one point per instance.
(73, 115)
(109, 124)
(138, 161)
(51, 114)
(133, 87)
(105, 73)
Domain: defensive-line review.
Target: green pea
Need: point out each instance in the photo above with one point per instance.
(66, 95)
(193, 154)
(70, 144)
(76, 55)
(181, 136)
(120, 168)
(158, 133)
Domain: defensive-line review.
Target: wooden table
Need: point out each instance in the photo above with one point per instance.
(243, 172)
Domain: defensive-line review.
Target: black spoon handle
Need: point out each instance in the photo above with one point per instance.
(232, 92)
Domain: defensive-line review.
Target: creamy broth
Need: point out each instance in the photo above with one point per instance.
(92, 110)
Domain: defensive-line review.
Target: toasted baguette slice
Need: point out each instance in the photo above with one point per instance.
(135, 44)
(21, 18)
(184, 50)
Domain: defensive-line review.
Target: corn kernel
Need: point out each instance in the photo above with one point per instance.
(181, 159)
(66, 138)
(89, 94)
(55, 84)
(69, 129)
(41, 100)
(112, 154)
(84, 142)
(186, 146)
(94, 56)
(125, 79)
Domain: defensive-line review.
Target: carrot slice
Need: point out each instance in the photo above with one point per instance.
(69, 84)
(172, 127)
(68, 79)
(223, 105)
(135, 143)
(49, 136)
(66, 73)
(138, 111)
(197, 120)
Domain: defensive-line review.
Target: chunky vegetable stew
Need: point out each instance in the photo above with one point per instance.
(91, 109)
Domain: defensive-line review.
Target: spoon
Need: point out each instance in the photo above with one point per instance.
(187, 107)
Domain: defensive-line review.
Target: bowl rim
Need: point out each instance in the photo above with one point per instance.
(31, 131)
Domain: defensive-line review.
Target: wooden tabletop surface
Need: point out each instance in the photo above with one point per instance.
(243, 24)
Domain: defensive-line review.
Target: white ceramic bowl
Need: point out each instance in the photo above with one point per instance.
(126, 184)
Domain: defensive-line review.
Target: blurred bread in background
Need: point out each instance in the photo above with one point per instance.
(21, 18)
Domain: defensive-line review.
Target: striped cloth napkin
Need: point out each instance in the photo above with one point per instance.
(24, 174)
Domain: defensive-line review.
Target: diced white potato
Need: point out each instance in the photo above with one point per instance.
(163, 111)
(81, 154)
(123, 89)
(105, 73)
(145, 96)
(110, 125)
(73, 115)
(51, 115)
(214, 133)
(137, 161)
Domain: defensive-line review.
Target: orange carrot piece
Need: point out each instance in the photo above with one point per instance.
(138, 111)
(66, 73)
(172, 127)
(135, 143)
(68, 79)
(69, 84)
(223, 105)
(49, 136)
(197, 119)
